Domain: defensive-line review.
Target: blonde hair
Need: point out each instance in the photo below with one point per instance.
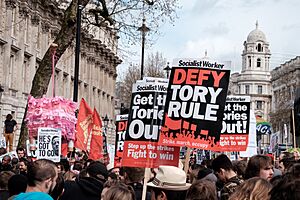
(252, 189)
(120, 192)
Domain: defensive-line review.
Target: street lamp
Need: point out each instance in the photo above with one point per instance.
(77, 52)
(105, 121)
(53, 48)
(168, 69)
(143, 29)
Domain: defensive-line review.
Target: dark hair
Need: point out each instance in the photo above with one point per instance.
(240, 167)
(287, 189)
(134, 174)
(255, 164)
(40, 170)
(2, 151)
(17, 184)
(120, 192)
(9, 117)
(202, 190)
(24, 160)
(110, 183)
(20, 149)
(288, 162)
(172, 195)
(78, 166)
(14, 161)
(222, 161)
(112, 176)
(4, 177)
(59, 187)
(295, 170)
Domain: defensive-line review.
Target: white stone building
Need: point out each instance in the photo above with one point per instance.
(285, 81)
(254, 79)
(27, 29)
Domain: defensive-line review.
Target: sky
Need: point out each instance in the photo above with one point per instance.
(221, 26)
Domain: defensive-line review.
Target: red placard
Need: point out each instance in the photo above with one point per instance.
(121, 126)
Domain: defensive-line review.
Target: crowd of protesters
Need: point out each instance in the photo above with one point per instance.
(256, 178)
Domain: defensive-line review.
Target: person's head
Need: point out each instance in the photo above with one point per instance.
(42, 175)
(97, 170)
(206, 174)
(119, 192)
(286, 189)
(17, 184)
(20, 152)
(169, 184)
(286, 154)
(59, 187)
(202, 190)
(240, 167)
(112, 176)
(23, 163)
(108, 184)
(60, 167)
(133, 174)
(6, 160)
(286, 163)
(4, 177)
(223, 167)
(2, 151)
(259, 166)
(252, 189)
(9, 117)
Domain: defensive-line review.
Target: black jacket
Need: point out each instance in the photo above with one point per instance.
(83, 188)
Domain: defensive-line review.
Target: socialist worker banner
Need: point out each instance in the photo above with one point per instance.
(195, 104)
(144, 123)
(235, 125)
(121, 126)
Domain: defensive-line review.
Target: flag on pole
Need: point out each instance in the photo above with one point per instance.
(96, 145)
(83, 126)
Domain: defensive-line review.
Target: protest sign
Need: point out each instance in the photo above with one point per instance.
(49, 144)
(144, 123)
(235, 125)
(195, 104)
(121, 126)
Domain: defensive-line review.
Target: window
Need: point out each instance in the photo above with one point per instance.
(249, 59)
(259, 89)
(259, 47)
(247, 89)
(259, 105)
(258, 62)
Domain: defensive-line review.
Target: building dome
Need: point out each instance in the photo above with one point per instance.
(256, 35)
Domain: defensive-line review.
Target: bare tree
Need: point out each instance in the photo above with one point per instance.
(154, 65)
(123, 16)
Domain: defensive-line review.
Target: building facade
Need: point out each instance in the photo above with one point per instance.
(27, 29)
(254, 79)
(285, 81)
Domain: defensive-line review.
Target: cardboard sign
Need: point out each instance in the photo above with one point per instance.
(195, 104)
(235, 125)
(121, 126)
(144, 124)
(49, 144)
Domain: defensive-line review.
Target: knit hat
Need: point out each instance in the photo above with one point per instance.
(97, 170)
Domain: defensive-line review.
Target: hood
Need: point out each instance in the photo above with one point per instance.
(90, 185)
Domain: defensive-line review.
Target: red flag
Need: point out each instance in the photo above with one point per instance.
(64, 148)
(97, 138)
(83, 126)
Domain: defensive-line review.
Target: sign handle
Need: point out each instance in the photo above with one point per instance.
(146, 178)
(187, 160)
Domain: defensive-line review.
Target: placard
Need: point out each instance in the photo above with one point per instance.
(195, 104)
(121, 126)
(49, 144)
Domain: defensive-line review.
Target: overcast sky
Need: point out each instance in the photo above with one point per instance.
(221, 27)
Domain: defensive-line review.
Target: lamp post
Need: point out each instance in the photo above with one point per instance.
(143, 29)
(168, 69)
(77, 52)
(105, 121)
(53, 48)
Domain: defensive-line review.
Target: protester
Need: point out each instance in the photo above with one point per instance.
(10, 125)
(134, 177)
(108, 184)
(286, 163)
(119, 192)
(21, 152)
(207, 174)
(42, 175)
(259, 166)
(17, 184)
(252, 189)
(89, 187)
(223, 168)
(239, 166)
(2, 151)
(59, 188)
(6, 163)
(169, 184)
(286, 189)
(4, 177)
(23, 164)
(202, 190)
